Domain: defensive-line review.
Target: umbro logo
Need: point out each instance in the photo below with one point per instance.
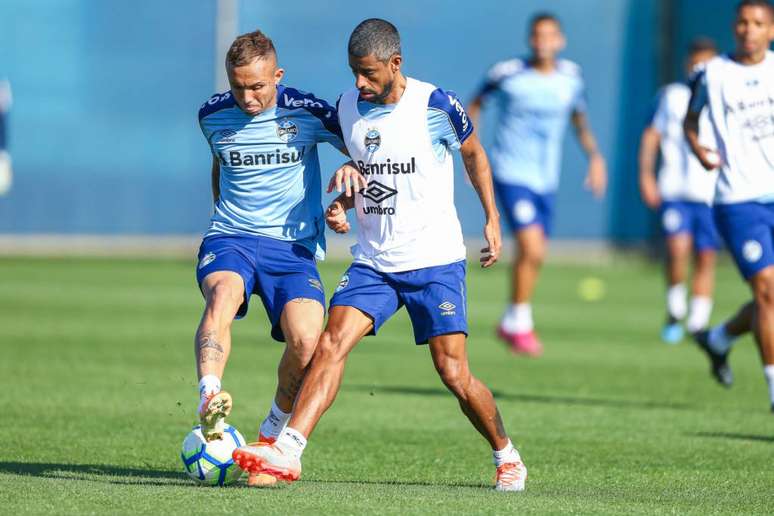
(447, 308)
(377, 192)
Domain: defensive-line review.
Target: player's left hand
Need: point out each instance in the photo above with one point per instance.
(596, 180)
(336, 218)
(346, 179)
(494, 240)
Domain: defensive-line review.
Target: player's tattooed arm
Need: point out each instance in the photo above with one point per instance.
(596, 180)
(209, 350)
(480, 174)
(215, 180)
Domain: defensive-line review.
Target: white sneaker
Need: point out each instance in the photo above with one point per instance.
(511, 476)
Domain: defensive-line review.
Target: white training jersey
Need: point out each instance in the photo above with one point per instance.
(681, 177)
(741, 107)
(406, 215)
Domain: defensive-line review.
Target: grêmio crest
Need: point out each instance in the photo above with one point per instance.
(372, 140)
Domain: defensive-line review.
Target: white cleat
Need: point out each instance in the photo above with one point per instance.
(511, 476)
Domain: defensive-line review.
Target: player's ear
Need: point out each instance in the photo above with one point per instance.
(278, 74)
(562, 41)
(395, 61)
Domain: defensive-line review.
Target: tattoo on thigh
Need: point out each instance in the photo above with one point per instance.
(499, 425)
(209, 349)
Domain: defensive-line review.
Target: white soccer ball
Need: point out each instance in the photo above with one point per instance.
(210, 463)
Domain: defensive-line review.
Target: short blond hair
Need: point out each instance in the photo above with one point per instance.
(248, 47)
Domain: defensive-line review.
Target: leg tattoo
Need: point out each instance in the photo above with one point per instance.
(209, 349)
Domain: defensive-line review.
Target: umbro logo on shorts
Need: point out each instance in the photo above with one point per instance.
(315, 283)
(447, 308)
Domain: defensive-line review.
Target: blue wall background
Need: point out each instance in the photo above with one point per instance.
(104, 133)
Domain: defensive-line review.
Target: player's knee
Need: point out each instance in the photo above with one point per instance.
(330, 347)
(303, 347)
(223, 297)
(763, 287)
(533, 256)
(454, 375)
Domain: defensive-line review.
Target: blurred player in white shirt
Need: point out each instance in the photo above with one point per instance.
(682, 194)
(737, 90)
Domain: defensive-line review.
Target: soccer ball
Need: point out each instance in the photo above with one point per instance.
(210, 463)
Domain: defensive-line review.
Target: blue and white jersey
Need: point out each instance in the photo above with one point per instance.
(269, 170)
(740, 102)
(533, 110)
(447, 124)
(406, 217)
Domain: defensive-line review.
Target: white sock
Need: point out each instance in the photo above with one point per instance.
(768, 372)
(719, 340)
(699, 314)
(518, 318)
(275, 422)
(209, 384)
(291, 441)
(507, 454)
(676, 303)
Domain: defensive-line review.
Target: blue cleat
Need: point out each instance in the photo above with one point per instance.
(672, 333)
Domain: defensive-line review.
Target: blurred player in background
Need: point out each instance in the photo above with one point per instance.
(683, 194)
(267, 227)
(738, 92)
(535, 97)
(401, 133)
(6, 172)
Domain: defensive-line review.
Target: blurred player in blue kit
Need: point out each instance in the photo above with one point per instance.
(737, 91)
(535, 97)
(400, 133)
(267, 228)
(683, 196)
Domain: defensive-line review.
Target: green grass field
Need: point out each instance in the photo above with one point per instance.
(99, 389)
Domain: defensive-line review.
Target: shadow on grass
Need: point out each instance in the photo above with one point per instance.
(530, 398)
(471, 485)
(148, 477)
(735, 436)
(96, 472)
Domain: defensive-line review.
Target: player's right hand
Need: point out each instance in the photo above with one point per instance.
(650, 195)
(709, 158)
(346, 179)
(336, 218)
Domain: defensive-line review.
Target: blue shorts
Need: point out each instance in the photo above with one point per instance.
(691, 218)
(748, 229)
(434, 297)
(276, 270)
(524, 207)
